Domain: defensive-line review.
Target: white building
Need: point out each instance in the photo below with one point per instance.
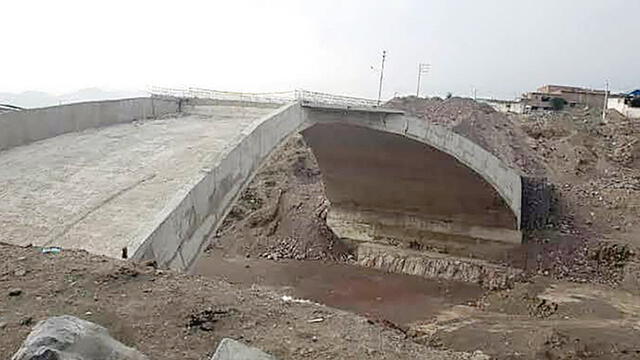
(506, 106)
(623, 106)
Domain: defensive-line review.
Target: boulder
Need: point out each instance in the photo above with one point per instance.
(70, 338)
(230, 349)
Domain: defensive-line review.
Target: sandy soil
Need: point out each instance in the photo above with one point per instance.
(168, 315)
(542, 319)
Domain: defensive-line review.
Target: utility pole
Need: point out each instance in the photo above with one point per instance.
(606, 100)
(422, 69)
(384, 56)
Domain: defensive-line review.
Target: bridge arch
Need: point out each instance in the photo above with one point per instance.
(183, 232)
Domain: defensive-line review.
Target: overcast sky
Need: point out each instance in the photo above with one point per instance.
(500, 47)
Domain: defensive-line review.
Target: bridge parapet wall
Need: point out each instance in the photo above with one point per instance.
(23, 127)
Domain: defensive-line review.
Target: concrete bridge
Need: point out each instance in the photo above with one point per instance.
(152, 178)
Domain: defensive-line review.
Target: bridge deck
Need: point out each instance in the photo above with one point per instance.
(80, 189)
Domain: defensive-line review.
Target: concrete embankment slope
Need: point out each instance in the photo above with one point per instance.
(108, 188)
(188, 223)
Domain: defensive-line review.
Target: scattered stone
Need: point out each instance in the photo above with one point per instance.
(207, 326)
(316, 320)
(205, 320)
(51, 250)
(20, 272)
(15, 292)
(3, 324)
(150, 263)
(70, 338)
(230, 349)
(26, 321)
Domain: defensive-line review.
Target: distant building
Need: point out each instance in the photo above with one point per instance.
(626, 104)
(542, 98)
(506, 106)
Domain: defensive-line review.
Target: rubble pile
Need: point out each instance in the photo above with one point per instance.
(497, 132)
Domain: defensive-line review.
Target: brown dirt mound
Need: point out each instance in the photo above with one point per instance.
(281, 214)
(497, 132)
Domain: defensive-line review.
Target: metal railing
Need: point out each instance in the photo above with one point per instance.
(284, 97)
(199, 93)
(330, 99)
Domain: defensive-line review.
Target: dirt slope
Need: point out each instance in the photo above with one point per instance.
(282, 212)
(494, 131)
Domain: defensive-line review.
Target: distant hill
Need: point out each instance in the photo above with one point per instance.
(35, 99)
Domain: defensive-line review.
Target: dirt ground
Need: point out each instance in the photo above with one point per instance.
(399, 298)
(169, 315)
(542, 319)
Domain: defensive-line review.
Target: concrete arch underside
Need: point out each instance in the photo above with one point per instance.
(386, 175)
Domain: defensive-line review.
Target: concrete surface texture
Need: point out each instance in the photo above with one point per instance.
(106, 189)
(230, 349)
(158, 189)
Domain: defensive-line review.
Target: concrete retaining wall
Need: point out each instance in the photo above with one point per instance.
(183, 233)
(22, 127)
(538, 197)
